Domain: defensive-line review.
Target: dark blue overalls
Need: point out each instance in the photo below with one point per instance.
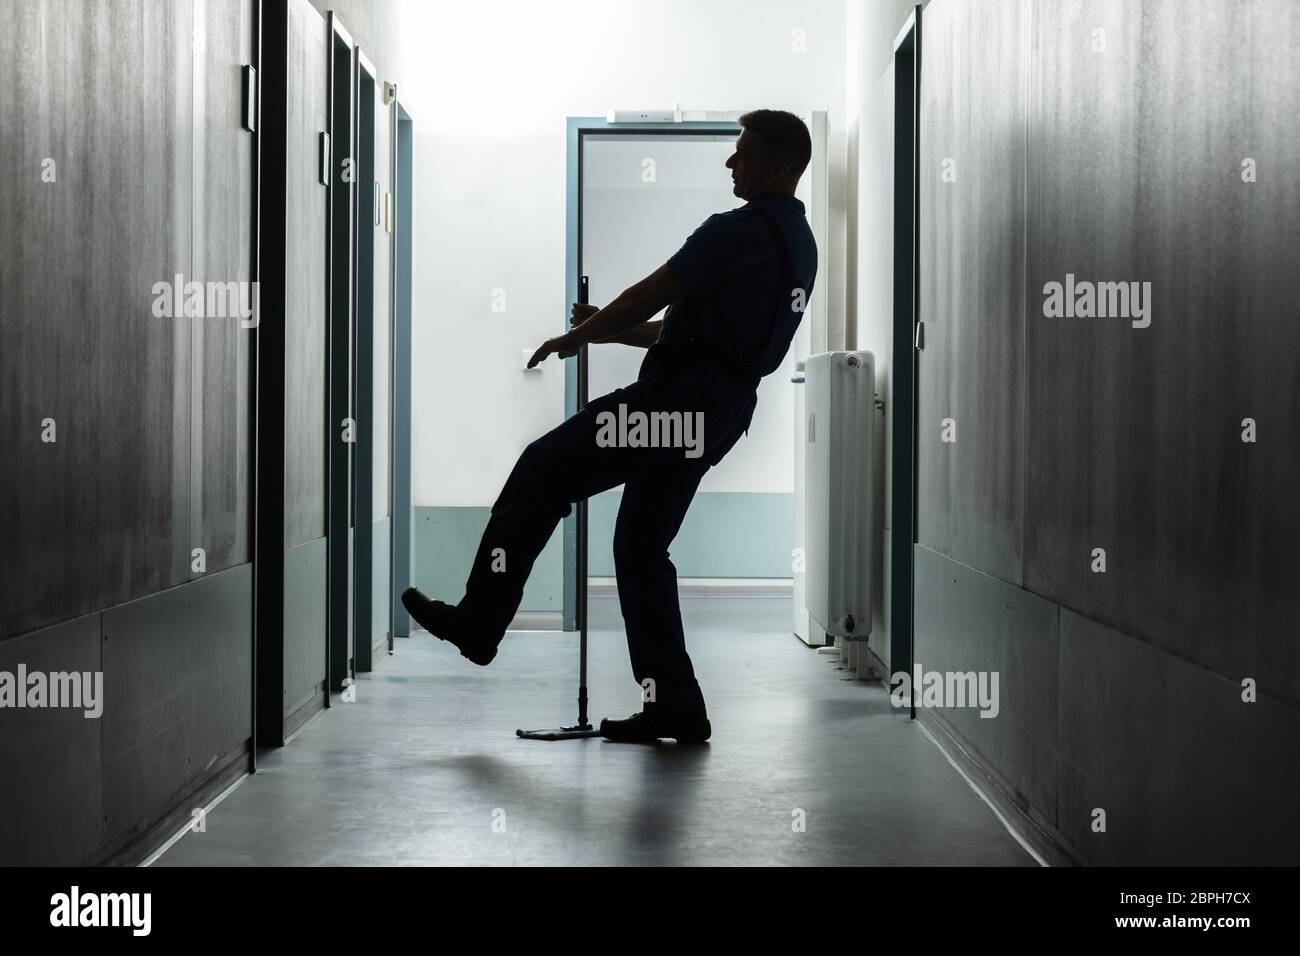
(568, 464)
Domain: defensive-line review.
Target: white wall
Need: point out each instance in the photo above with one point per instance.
(489, 85)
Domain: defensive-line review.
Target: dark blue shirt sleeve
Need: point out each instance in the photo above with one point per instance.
(722, 246)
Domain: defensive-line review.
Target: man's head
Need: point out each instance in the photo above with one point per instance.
(771, 153)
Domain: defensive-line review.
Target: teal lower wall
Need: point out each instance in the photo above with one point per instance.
(381, 592)
(725, 535)
(445, 542)
(305, 624)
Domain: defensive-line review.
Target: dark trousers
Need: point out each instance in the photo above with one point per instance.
(568, 464)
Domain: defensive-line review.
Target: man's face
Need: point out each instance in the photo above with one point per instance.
(751, 171)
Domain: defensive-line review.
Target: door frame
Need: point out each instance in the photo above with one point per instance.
(342, 338)
(906, 341)
(577, 129)
(365, 243)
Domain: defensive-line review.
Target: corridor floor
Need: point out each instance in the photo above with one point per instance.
(425, 768)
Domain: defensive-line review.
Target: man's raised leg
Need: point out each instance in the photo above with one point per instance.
(563, 466)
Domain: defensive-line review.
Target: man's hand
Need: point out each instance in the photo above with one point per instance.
(561, 345)
(577, 315)
(631, 309)
(581, 313)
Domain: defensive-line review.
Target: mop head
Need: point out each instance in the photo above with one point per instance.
(558, 733)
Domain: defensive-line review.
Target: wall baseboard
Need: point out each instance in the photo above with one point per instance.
(304, 710)
(146, 843)
(1046, 842)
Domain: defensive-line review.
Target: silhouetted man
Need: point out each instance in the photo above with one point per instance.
(735, 293)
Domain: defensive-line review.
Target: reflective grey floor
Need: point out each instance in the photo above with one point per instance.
(425, 769)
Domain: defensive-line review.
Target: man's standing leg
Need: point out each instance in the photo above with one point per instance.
(653, 507)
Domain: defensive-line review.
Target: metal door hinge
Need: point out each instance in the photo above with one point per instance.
(920, 336)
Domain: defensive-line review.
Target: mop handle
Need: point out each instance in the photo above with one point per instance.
(583, 292)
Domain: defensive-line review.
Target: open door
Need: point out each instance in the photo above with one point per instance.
(612, 186)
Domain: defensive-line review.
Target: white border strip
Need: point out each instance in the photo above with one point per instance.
(1024, 844)
(152, 858)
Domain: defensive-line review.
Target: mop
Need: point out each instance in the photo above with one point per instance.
(583, 727)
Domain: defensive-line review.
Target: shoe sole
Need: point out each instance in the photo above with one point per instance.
(479, 659)
(708, 732)
(688, 739)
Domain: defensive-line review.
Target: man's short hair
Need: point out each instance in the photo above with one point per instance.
(782, 135)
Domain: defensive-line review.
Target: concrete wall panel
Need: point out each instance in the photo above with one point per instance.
(304, 623)
(178, 695)
(102, 514)
(971, 369)
(1188, 773)
(1143, 115)
(51, 801)
(305, 304)
(971, 621)
(222, 251)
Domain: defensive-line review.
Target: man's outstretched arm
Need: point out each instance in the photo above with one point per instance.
(633, 306)
(640, 336)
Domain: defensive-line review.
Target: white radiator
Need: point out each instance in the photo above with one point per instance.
(839, 394)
